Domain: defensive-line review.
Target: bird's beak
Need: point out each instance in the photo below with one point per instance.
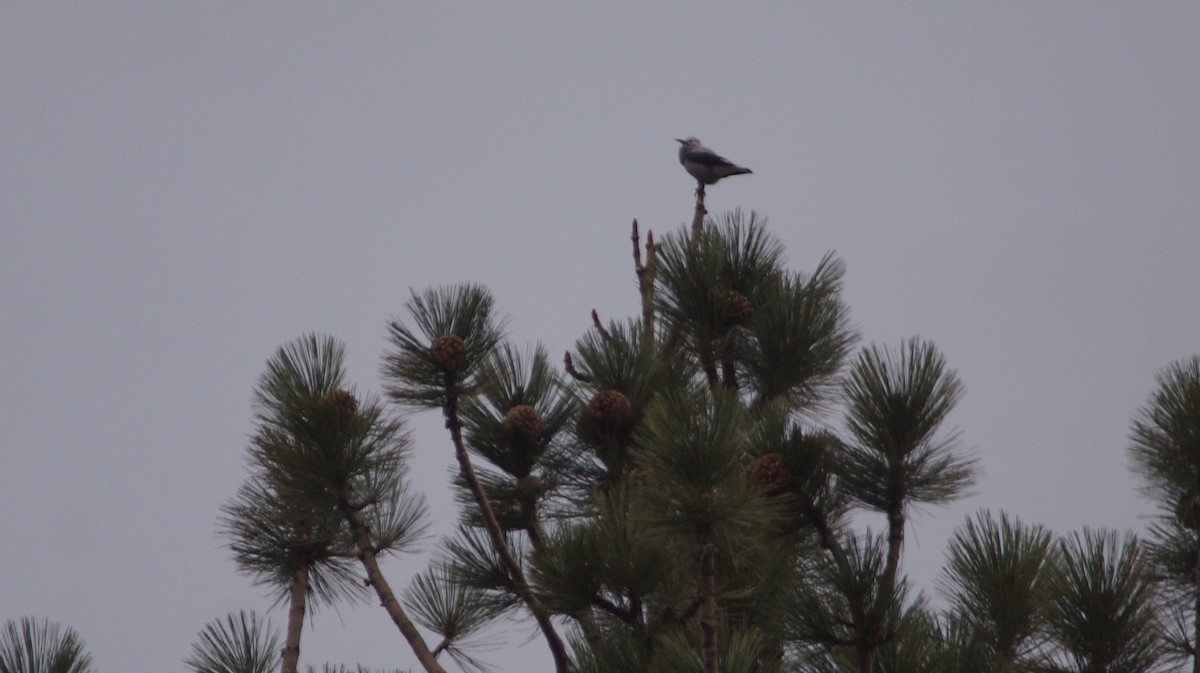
(678, 140)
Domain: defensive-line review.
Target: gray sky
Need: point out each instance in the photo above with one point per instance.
(184, 188)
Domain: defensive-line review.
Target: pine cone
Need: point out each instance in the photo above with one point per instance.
(530, 487)
(610, 409)
(524, 420)
(738, 309)
(449, 352)
(770, 473)
(1186, 512)
(343, 401)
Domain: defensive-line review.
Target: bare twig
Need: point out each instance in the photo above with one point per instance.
(569, 366)
(701, 211)
(637, 251)
(645, 276)
(600, 327)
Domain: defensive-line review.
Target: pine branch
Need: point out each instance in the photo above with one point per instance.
(670, 617)
(621, 612)
(366, 555)
(709, 367)
(496, 533)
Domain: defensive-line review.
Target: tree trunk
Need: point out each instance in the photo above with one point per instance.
(297, 608)
(866, 660)
(877, 627)
(708, 606)
(895, 542)
(897, 497)
(366, 554)
(1196, 610)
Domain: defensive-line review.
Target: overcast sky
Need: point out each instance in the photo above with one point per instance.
(185, 187)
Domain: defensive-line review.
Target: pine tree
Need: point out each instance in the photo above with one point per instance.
(693, 492)
(995, 583)
(28, 645)
(682, 499)
(327, 490)
(1101, 605)
(241, 643)
(1165, 451)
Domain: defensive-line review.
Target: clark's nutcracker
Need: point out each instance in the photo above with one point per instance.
(704, 164)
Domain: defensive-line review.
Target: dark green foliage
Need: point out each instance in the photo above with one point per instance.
(710, 284)
(308, 368)
(1165, 447)
(412, 376)
(566, 569)
(240, 643)
(507, 378)
(675, 651)
(800, 335)
(617, 359)
(31, 646)
(840, 599)
(516, 422)
(607, 561)
(395, 515)
(741, 652)
(515, 508)
(751, 350)
(315, 436)
(692, 445)
(964, 649)
(452, 609)
(1165, 451)
(272, 537)
(994, 582)
(744, 321)
(474, 563)
(810, 493)
(917, 647)
(896, 402)
(1101, 611)
(324, 463)
(615, 650)
(925, 642)
(1174, 548)
(315, 448)
(683, 499)
(317, 445)
(697, 272)
(342, 668)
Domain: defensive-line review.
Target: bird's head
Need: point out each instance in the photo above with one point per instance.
(690, 141)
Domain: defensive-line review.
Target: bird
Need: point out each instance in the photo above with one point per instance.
(704, 164)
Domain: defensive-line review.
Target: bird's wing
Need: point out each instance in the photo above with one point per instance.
(706, 158)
